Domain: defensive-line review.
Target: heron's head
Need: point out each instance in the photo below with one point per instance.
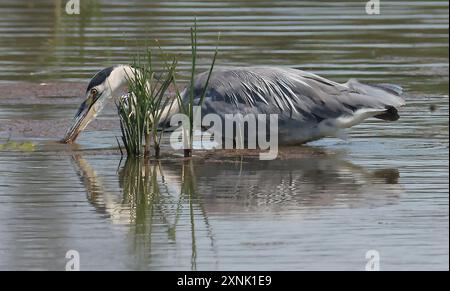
(101, 88)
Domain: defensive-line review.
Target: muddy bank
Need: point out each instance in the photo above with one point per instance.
(41, 93)
(44, 110)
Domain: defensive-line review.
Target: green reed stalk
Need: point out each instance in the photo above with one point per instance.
(186, 105)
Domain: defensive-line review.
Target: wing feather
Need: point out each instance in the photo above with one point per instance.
(290, 93)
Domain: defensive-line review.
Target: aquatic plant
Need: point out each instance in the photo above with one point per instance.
(141, 109)
(26, 146)
(187, 106)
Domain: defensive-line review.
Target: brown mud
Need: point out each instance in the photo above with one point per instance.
(18, 95)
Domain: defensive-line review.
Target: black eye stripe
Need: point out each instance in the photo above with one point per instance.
(100, 77)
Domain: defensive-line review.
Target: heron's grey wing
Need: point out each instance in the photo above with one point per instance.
(293, 94)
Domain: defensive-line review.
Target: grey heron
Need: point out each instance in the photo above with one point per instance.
(309, 107)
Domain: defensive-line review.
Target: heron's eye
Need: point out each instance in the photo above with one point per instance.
(94, 92)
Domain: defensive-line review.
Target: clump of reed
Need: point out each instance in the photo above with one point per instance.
(140, 111)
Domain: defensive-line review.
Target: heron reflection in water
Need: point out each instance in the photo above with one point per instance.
(179, 197)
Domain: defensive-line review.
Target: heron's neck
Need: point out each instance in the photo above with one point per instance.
(119, 77)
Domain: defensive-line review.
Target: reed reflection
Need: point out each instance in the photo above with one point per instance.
(150, 198)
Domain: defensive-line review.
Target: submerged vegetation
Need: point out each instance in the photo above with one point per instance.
(141, 110)
(26, 146)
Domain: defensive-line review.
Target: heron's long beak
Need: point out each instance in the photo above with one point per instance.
(86, 113)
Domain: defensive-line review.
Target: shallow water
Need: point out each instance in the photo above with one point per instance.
(321, 206)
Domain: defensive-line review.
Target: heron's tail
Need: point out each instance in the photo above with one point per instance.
(391, 113)
(386, 96)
